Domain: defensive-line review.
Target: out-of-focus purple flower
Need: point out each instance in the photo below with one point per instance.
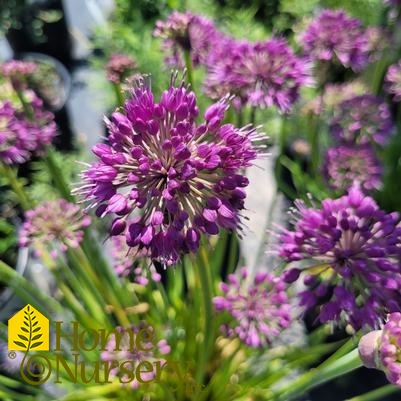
(10, 366)
(260, 309)
(333, 95)
(323, 40)
(393, 81)
(125, 260)
(56, 225)
(21, 137)
(119, 67)
(17, 71)
(349, 251)
(381, 349)
(362, 120)
(165, 178)
(126, 351)
(346, 165)
(186, 32)
(262, 74)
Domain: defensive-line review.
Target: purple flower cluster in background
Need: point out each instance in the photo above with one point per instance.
(335, 36)
(262, 74)
(53, 225)
(167, 179)
(21, 137)
(260, 308)
(349, 250)
(186, 32)
(17, 71)
(393, 81)
(119, 67)
(346, 165)
(362, 120)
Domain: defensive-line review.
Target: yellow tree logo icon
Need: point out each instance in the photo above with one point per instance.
(28, 329)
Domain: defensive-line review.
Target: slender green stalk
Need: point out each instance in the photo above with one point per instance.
(320, 375)
(203, 271)
(25, 290)
(377, 394)
(57, 175)
(188, 65)
(15, 184)
(25, 105)
(119, 94)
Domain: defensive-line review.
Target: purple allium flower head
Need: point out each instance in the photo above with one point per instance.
(126, 351)
(362, 120)
(262, 74)
(125, 262)
(260, 309)
(56, 224)
(21, 137)
(119, 67)
(381, 349)
(346, 165)
(181, 179)
(349, 250)
(393, 81)
(335, 35)
(17, 71)
(186, 32)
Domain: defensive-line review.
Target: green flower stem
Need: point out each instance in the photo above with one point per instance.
(93, 299)
(343, 350)
(90, 391)
(15, 183)
(25, 105)
(28, 292)
(188, 65)
(92, 251)
(56, 173)
(314, 143)
(119, 94)
(377, 394)
(98, 284)
(70, 299)
(203, 271)
(315, 377)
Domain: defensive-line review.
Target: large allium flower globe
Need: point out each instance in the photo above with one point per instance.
(167, 179)
(260, 308)
(362, 120)
(186, 32)
(20, 137)
(263, 74)
(349, 251)
(56, 225)
(333, 35)
(346, 165)
(393, 80)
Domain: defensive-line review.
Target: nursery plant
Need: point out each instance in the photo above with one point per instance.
(150, 296)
